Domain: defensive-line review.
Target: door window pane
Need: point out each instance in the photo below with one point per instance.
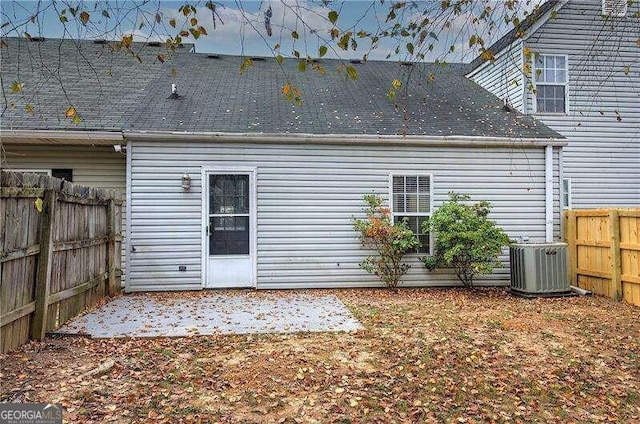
(229, 235)
(229, 194)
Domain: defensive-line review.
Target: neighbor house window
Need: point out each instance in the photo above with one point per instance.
(63, 173)
(551, 83)
(411, 203)
(566, 193)
(615, 7)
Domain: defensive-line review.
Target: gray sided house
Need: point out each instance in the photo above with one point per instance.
(575, 66)
(230, 185)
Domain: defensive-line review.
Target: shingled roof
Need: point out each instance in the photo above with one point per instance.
(112, 91)
(102, 84)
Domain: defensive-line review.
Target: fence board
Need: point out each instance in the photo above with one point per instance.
(79, 270)
(45, 263)
(604, 251)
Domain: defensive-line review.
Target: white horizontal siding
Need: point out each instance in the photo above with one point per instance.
(307, 197)
(99, 167)
(603, 155)
(504, 76)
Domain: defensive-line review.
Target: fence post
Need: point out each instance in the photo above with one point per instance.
(616, 277)
(570, 238)
(112, 286)
(45, 259)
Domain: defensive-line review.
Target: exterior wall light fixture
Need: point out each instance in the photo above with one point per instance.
(186, 181)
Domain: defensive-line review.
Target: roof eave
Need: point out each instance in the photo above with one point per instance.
(61, 137)
(344, 139)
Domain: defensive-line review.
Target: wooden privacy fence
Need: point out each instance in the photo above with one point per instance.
(604, 251)
(60, 246)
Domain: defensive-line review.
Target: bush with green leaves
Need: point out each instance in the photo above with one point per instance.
(389, 241)
(466, 240)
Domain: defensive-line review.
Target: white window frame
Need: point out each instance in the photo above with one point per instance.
(418, 214)
(565, 84)
(621, 14)
(568, 204)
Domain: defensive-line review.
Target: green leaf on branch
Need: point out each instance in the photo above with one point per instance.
(410, 48)
(322, 51)
(352, 73)
(344, 40)
(333, 17)
(16, 86)
(247, 62)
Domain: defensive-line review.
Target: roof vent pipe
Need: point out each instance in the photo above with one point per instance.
(174, 92)
(506, 106)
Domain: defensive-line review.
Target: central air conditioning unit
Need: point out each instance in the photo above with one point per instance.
(539, 269)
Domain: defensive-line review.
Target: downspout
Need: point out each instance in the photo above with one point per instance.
(127, 274)
(561, 192)
(548, 191)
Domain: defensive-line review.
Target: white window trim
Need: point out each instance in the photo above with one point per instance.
(31, 170)
(565, 84)
(569, 203)
(620, 14)
(430, 214)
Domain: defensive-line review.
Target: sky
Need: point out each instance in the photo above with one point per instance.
(239, 27)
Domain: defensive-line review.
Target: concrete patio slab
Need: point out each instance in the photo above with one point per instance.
(153, 315)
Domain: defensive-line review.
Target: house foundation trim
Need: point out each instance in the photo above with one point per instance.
(351, 139)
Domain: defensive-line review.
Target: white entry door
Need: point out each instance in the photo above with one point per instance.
(229, 232)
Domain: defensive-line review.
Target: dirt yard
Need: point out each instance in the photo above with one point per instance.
(425, 356)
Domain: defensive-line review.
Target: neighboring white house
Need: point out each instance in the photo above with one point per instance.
(575, 65)
(230, 185)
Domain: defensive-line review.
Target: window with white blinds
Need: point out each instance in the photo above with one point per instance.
(411, 202)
